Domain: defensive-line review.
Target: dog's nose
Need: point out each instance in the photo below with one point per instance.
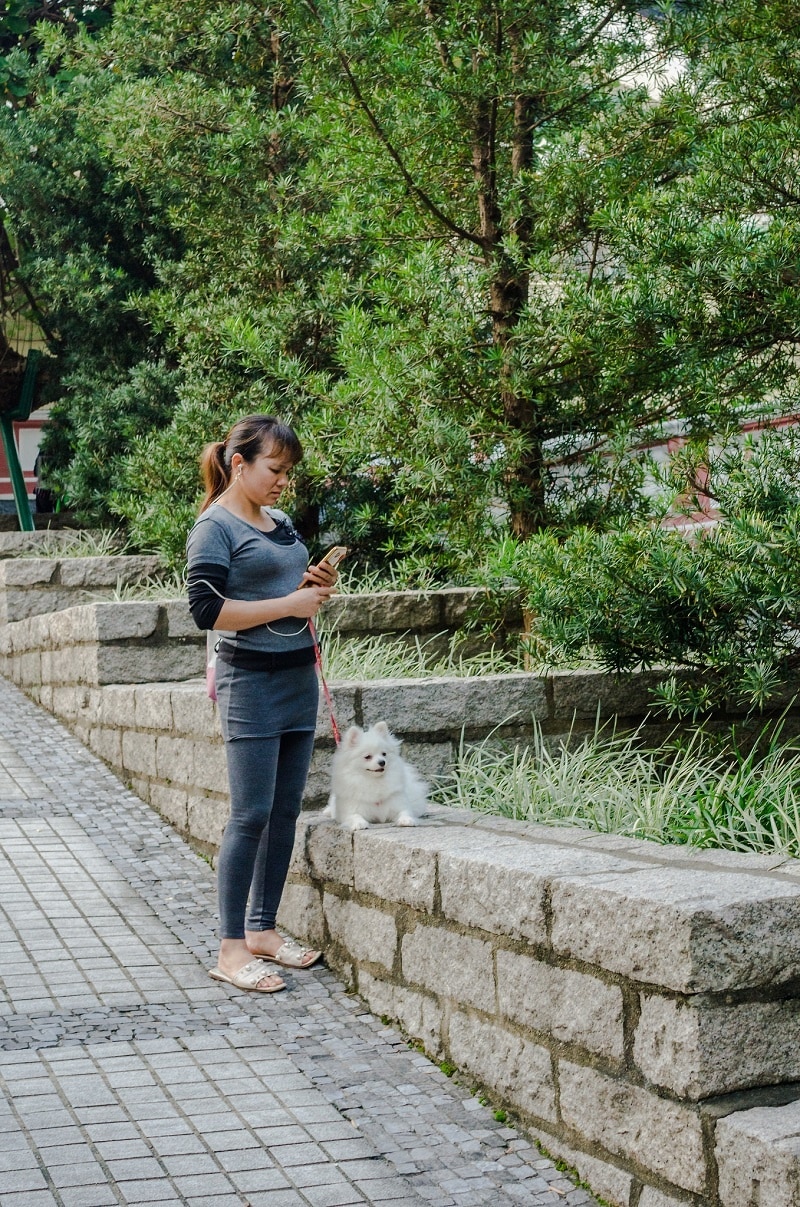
(381, 762)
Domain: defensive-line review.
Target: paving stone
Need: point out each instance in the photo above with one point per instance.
(277, 1198)
(83, 1174)
(135, 1167)
(248, 1180)
(88, 1196)
(215, 1200)
(333, 1196)
(288, 1155)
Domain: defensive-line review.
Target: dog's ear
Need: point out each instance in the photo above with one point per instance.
(352, 736)
(382, 728)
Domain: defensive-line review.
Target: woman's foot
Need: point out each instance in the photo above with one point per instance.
(234, 955)
(271, 945)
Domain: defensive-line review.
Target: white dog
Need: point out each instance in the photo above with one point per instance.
(371, 781)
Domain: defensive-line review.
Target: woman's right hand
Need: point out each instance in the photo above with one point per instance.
(307, 601)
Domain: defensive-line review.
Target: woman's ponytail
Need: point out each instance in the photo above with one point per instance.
(216, 472)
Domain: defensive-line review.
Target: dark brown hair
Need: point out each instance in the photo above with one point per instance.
(249, 437)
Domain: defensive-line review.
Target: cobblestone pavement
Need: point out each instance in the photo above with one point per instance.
(128, 1076)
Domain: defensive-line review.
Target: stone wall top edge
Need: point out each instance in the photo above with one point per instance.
(559, 855)
(111, 559)
(448, 592)
(466, 680)
(96, 622)
(778, 1122)
(637, 849)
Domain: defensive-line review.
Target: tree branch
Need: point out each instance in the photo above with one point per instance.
(444, 52)
(598, 29)
(425, 201)
(191, 122)
(593, 260)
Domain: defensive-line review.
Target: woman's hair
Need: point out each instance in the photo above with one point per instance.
(250, 437)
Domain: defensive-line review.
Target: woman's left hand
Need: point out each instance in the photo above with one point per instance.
(322, 575)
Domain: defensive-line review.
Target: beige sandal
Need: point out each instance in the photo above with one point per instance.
(249, 976)
(292, 955)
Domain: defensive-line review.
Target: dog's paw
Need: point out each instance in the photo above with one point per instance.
(406, 819)
(358, 823)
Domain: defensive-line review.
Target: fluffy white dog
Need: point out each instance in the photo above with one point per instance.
(371, 781)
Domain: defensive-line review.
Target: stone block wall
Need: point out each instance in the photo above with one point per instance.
(637, 1005)
(419, 613)
(104, 643)
(101, 643)
(14, 543)
(164, 737)
(32, 586)
(42, 612)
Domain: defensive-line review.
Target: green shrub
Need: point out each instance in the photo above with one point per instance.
(723, 602)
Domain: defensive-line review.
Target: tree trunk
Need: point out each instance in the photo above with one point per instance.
(508, 296)
(526, 480)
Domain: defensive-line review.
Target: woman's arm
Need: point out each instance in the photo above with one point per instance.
(246, 614)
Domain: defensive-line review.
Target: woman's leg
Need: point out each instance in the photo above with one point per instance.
(252, 765)
(252, 771)
(277, 840)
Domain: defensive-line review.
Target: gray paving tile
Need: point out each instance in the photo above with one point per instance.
(83, 1174)
(29, 1198)
(12, 1160)
(148, 1191)
(289, 1155)
(277, 1198)
(132, 1168)
(214, 1184)
(333, 1196)
(27, 1179)
(258, 1180)
(215, 1200)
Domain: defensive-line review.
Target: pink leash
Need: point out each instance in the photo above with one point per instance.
(326, 690)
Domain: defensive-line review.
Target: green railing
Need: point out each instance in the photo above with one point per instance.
(20, 413)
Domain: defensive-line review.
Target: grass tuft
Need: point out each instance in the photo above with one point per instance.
(63, 543)
(697, 793)
(380, 657)
(364, 580)
(151, 587)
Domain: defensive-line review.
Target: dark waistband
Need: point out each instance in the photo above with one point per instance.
(266, 660)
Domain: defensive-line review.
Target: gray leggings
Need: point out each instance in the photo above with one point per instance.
(267, 777)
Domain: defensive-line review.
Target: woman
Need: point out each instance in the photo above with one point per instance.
(249, 579)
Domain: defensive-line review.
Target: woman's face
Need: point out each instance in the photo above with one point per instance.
(265, 478)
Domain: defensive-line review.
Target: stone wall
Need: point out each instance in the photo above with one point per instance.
(28, 588)
(99, 643)
(50, 530)
(45, 522)
(32, 586)
(104, 643)
(414, 613)
(638, 1006)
